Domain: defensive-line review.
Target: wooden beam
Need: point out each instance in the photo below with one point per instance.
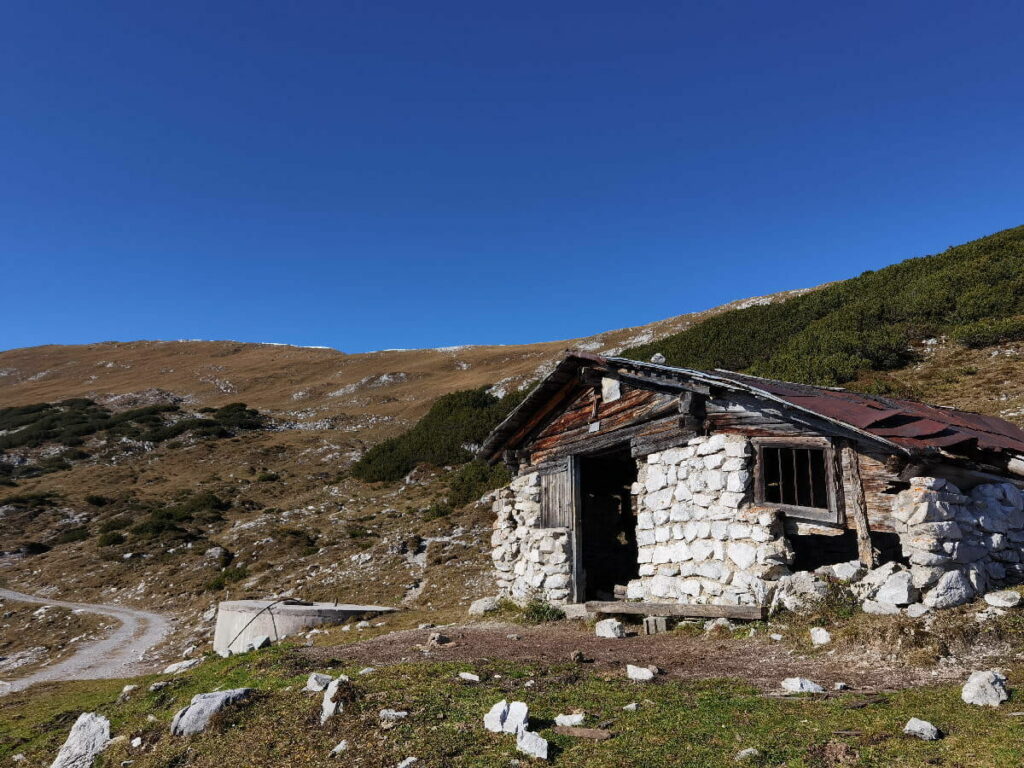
(856, 508)
(744, 612)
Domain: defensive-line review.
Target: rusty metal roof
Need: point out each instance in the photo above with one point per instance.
(904, 425)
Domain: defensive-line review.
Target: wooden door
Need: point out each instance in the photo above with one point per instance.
(560, 508)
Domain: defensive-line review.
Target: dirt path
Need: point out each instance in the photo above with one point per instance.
(759, 661)
(119, 654)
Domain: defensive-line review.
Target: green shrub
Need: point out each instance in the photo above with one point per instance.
(73, 534)
(34, 548)
(28, 500)
(111, 539)
(117, 523)
(436, 510)
(96, 500)
(229, 575)
(267, 477)
(455, 422)
(829, 336)
(990, 331)
(474, 479)
(540, 612)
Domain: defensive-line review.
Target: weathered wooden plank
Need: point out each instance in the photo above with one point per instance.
(745, 612)
(853, 496)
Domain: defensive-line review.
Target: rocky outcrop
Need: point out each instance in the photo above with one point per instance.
(197, 715)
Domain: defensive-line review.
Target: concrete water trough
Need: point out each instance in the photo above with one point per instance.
(245, 624)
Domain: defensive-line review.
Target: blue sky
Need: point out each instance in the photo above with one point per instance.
(368, 175)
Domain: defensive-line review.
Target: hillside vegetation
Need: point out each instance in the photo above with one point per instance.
(972, 292)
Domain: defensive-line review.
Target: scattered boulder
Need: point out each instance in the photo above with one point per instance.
(570, 720)
(317, 682)
(985, 688)
(483, 605)
(879, 609)
(921, 729)
(721, 624)
(917, 610)
(495, 717)
(952, 589)
(898, 589)
(801, 685)
(407, 762)
(631, 707)
(331, 703)
(610, 628)
(820, 636)
(197, 715)
(747, 754)
(873, 580)
(88, 737)
(469, 677)
(393, 715)
(849, 571)
(1006, 598)
(532, 744)
(641, 674)
(181, 666)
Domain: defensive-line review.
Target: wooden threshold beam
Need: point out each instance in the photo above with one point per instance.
(624, 608)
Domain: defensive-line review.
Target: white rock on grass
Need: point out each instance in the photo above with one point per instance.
(610, 628)
(820, 636)
(1005, 599)
(505, 717)
(317, 682)
(407, 762)
(483, 605)
(570, 720)
(181, 666)
(469, 677)
(641, 674)
(921, 729)
(801, 685)
(985, 688)
(392, 715)
(747, 754)
(532, 744)
(631, 707)
(197, 715)
(88, 737)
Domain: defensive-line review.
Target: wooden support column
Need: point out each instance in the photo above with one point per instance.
(853, 494)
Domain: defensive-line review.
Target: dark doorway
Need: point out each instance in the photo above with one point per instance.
(609, 553)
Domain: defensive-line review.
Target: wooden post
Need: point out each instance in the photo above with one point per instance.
(853, 494)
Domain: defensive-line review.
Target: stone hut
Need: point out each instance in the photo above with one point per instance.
(642, 482)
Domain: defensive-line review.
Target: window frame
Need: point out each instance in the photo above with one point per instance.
(832, 515)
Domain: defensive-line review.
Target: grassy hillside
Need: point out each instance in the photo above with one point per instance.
(972, 292)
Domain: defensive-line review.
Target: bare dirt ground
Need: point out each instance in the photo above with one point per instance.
(119, 654)
(756, 660)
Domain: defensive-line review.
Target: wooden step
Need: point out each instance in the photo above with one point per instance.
(624, 608)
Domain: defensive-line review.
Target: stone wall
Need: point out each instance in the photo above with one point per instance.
(960, 545)
(530, 561)
(699, 539)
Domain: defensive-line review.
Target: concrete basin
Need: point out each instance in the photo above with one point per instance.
(242, 623)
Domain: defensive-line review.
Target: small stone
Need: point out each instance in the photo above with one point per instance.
(775, 636)
(631, 707)
(1005, 599)
(840, 687)
(922, 729)
(574, 719)
(159, 685)
(407, 762)
(801, 685)
(181, 666)
(820, 636)
(469, 677)
(495, 717)
(917, 610)
(721, 624)
(517, 719)
(879, 609)
(128, 689)
(898, 589)
(393, 715)
(340, 747)
(136, 742)
(317, 682)
(641, 674)
(363, 625)
(610, 628)
(367, 670)
(747, 754)
(985, 688)
(532, 744)
(436, 639)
